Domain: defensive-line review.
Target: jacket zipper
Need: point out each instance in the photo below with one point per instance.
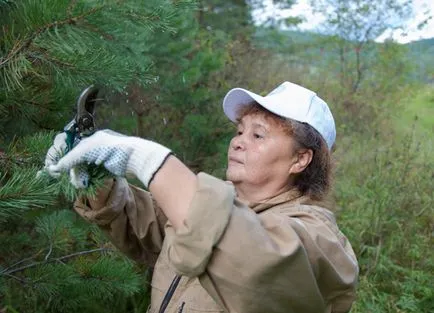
(169, 294)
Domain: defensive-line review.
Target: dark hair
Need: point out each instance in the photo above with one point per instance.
(315, 180)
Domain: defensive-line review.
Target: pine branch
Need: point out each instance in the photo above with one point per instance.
(23, 191)
(44, 56)
(25, 186)
(26, 190)
(21, 45)
(158, 18)
(9, 271)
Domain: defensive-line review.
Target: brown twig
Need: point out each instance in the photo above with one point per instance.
(22, 281)
(63, 258)
(98, 31)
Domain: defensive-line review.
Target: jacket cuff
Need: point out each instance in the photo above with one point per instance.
(190, 246)
(104, 213)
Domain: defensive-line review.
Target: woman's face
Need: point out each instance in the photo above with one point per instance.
(260, 154)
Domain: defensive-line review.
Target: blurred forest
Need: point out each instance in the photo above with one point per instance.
(163, 68)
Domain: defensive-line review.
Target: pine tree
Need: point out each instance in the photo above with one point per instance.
(183, 110)
(51, 260)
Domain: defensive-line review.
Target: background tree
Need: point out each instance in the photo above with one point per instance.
(354, 25)
(232, 17)
(272, 14)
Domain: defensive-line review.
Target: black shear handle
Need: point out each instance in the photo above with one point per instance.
(83, 124)
(85, 111)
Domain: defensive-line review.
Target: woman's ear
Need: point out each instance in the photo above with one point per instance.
(302, 159)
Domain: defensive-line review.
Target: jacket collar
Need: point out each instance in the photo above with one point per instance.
(292, 197)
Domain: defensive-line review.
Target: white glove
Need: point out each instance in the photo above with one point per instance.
(57, 150)
(119, 154)
(78, 175)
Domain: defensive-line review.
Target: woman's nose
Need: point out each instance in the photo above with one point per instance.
(237, 143)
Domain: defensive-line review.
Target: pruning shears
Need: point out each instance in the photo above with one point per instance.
(83, 124)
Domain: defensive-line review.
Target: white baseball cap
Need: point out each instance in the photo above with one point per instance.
(288, 100)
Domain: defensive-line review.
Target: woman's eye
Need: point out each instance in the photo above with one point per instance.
(258, 136)
(239, 133)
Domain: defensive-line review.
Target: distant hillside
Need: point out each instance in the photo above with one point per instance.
(421, 52)
(285, 40)
(292, 44)
(426, 45)
(282, 38)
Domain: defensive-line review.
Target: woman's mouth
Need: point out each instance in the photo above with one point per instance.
(235, 160)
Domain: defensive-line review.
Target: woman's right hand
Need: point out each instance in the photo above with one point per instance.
(56, 151)
(78, 175)
(118, 154)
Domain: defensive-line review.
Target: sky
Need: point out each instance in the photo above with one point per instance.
(421, 10)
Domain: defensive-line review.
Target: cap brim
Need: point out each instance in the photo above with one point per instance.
(237, 98)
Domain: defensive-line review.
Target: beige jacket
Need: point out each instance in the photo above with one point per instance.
(285, 255)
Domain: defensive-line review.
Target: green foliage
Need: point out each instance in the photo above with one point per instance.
(232, 17)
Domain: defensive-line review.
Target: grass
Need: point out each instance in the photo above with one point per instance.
(385, 195)
(418, 109)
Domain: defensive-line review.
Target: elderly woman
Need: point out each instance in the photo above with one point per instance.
(260, 242)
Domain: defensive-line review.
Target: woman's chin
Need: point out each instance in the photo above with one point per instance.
(233, 175)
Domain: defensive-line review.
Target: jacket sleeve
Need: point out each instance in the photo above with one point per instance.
(259, 263)
(130, 218)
